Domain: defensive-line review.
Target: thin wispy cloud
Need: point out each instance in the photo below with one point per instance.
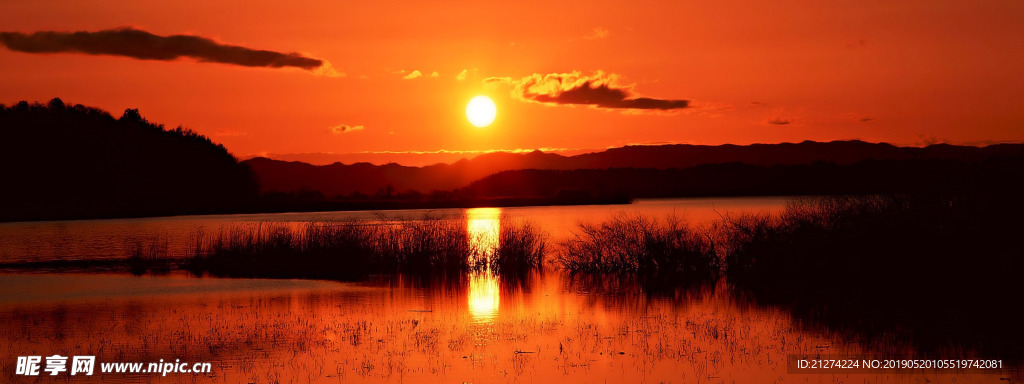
(142, 45)
(466, 73)
(345, 128)
(782, 116)
(597, 34)
(598, 90)
(415, 74)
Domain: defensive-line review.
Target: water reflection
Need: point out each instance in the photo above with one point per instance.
(328, 332)
(484, 296)
(117, 238)
(483, 225)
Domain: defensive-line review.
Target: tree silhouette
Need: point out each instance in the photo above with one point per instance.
(131, 115)
(62, 161)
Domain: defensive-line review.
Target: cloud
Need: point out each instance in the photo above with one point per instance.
(415, 74)
(345, 128)
(599, 90)
(327, 70)
(142, 45)
(598, 33)
(768, 114)
(466, 73)
(412, 75)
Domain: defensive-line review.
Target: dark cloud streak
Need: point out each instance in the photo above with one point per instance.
(138, 44)
(604, 96)
(598, 90)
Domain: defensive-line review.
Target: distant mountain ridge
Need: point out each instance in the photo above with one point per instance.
(341, 179)
(63, 161)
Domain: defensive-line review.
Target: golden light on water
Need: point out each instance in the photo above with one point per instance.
(484, 293)
(484, 296)
(483, 226)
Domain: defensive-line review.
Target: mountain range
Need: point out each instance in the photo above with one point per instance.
(363, 178)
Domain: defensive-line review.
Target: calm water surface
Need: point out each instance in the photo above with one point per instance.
(547, 327)
(105, 239)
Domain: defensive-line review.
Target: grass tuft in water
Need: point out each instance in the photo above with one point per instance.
(521, 247)
(355, 249)
(633, 243)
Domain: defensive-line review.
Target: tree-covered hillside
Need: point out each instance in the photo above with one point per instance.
(71, 161)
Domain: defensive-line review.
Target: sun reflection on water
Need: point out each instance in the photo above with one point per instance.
(484, 293)
(484, 296)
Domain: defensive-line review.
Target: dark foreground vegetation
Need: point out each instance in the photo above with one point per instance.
(334, 250)
(938, 270)
(926, 268)
(353, 250)
(637, 244)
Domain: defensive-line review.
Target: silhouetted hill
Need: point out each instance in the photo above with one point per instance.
(340, 179)
(737, 179)
(62, 161)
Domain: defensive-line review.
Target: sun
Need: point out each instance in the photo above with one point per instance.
(481, 111)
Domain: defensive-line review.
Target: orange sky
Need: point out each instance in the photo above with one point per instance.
(906, 72)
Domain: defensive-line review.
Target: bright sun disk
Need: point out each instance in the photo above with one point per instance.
(481, 111)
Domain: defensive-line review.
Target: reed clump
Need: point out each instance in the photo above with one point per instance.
(521, 247)
(810, 237)
(937, 267)
(149, 256)
(355, 249)
(633, 243)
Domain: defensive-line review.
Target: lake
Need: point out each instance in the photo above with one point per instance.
(545, 327)
(116, 238)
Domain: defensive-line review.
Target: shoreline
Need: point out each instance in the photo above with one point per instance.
(353, 206)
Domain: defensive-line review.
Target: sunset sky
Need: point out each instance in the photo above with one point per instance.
(378, 81)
